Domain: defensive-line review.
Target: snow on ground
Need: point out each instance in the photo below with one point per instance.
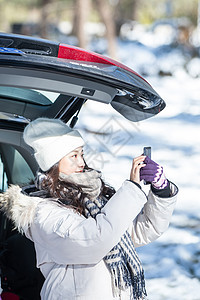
(172, 263)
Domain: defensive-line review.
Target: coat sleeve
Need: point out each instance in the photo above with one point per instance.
(69, 238)
(154, 218)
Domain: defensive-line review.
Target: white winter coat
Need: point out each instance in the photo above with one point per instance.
(70, 248)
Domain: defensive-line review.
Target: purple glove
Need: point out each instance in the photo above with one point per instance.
(153, 173)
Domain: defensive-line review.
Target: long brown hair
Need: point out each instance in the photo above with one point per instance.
(67, 193)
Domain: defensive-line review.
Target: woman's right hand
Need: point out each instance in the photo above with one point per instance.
(138, 163)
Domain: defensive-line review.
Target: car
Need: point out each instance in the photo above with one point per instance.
(41, 78)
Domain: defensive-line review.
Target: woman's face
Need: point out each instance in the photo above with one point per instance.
(72, 162)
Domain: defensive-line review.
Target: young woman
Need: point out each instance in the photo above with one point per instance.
(84, 232)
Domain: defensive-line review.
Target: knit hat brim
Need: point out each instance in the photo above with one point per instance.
(58, 148)
(51, 140)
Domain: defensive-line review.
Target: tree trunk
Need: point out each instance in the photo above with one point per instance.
(135, 4)
(82, 8)
(1, 17)
(107, 17)
(198, 16)
(44, 18)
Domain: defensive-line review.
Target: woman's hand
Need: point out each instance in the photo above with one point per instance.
(136, 166)
(153, 172)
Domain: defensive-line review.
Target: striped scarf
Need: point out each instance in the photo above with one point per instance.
(122, 261)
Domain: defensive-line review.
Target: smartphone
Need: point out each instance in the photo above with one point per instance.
(147, 152)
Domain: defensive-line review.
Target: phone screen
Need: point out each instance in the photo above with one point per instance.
(147, 151)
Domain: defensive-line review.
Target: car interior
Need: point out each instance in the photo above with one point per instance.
(19, 275)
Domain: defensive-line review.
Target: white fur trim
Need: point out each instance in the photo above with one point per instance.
(18, 207)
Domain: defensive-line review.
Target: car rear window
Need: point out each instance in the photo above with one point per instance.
(20, 104)
(28, 95)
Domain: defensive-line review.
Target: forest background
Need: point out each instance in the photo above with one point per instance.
(86, 19)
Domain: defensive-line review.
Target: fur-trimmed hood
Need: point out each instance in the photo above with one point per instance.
(18, 207)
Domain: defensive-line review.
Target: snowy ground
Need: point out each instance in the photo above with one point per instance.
(172, 263)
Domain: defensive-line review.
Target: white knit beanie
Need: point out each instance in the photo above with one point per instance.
(51, 140)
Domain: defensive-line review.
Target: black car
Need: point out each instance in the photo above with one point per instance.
(42, 78)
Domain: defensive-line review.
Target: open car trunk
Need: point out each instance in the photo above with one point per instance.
(43, 78)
